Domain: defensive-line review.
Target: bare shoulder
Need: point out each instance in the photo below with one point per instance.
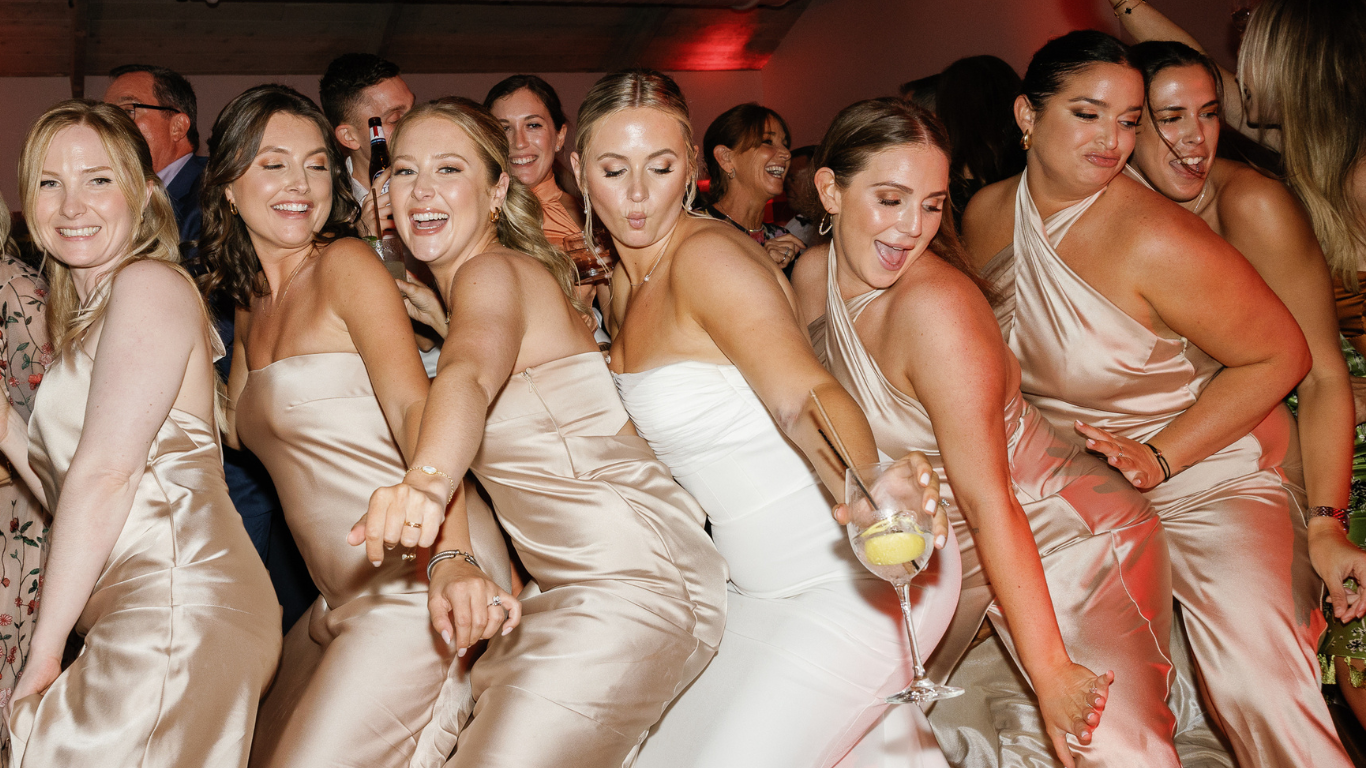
(989, 220)
(937, 291)
(708, 248)
(348, 258)
(1151, 235)
(809, 277)
(1254, 202)
(155, 285)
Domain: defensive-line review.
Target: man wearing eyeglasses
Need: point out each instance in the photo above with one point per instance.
(162, 103)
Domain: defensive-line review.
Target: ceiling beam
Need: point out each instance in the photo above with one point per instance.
(80, 28)
(638, 35)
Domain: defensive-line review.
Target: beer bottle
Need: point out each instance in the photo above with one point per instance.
(379, 149)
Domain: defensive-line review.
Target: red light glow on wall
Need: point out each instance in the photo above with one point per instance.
(722, 47)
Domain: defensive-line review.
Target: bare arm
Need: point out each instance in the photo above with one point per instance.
(1204, 290)
(366, 298)
(1268, 226)
(152, 326)
(238, 374)
(14, 444)
(949, 348)
(751, 319)
(488, 322)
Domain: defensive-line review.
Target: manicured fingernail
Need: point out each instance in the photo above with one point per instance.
(446, 635)
(507, 631)
(460, 652)
(925, 479)
(930, 504)
(940, 541)
(377, 563)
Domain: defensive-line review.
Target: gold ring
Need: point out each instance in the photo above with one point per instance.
(409, 556)
(411, 524)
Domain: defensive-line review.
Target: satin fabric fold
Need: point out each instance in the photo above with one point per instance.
(632, 594)
(182, 630)
(1234, 522)
(1101, 544)
(813, 642)
(361, 673)
(555, 220)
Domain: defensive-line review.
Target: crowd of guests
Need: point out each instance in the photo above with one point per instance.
(509, 509)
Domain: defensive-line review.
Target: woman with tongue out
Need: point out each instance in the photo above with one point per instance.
(899, 318)
(1259, 216)
(1146, 337)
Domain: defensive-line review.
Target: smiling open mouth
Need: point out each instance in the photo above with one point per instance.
(1197, 167)
(82, 232)
(292, 207)
(428, 220)
(891, 257)
(776, 171)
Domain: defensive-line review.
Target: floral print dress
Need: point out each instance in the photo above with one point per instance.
(25, 353)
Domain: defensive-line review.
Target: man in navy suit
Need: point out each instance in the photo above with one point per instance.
(162, 103)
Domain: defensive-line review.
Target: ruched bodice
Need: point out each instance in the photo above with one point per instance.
(182, 630)
(769, 511)
(314, 422)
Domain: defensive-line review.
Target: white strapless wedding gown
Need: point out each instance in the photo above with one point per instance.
(813, 641)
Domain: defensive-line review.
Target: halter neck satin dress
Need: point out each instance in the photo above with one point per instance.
(1235, 521)
(182, 629)
(1102, 546)
(813, 641)
(361, 673)
(632, 593)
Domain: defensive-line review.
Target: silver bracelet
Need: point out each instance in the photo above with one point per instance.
(449, 554)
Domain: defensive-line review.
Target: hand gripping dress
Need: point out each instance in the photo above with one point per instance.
(1234, 522)
(632, 594)
(1103, 550)
(814, 642)
(182, 630)
(362, 671)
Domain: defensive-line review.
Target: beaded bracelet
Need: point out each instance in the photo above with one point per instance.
(450, 554)
(1161, 462)
(1339, 515)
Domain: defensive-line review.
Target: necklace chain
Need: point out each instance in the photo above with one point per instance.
(658, 259)
(289, 281)
(738, 224)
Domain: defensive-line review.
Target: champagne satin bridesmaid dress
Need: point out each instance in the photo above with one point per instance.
(632, 593)
(1103, 551)
(182, 629)
(1235, 521)
(362, 670)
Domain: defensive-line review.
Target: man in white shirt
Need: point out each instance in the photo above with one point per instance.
(355, 88)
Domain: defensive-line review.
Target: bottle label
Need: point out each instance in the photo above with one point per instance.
(376, 133)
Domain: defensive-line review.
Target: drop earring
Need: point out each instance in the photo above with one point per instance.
(827, 224)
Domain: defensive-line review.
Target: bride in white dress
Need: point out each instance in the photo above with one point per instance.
(719, 383)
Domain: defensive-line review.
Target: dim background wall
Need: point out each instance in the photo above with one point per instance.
(839, 51)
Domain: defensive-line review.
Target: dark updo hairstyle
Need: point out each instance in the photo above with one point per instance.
(225, 244)
(538, 87)
(866, 128)
(976, 103)
(1062, 57)
(739, 128)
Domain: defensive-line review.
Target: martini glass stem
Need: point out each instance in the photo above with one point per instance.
(903, 593)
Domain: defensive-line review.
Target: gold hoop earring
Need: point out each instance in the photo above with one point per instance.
(494, 215)
(232, 207)
(1026, 141)
(827, 224)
